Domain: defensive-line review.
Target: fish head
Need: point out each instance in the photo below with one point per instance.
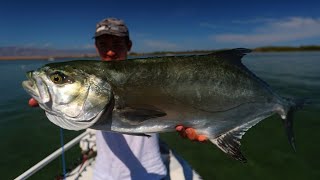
(72, 98)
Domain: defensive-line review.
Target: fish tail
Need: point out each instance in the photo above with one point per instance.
(286, 113)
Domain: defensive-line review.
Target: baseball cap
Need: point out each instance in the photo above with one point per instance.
(111, 26)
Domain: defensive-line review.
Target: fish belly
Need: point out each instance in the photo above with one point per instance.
(211, 124)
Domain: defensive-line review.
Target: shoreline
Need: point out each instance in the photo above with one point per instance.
(165, 53)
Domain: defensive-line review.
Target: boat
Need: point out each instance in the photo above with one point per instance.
(178, 168)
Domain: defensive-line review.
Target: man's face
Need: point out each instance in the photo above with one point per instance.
(112, 47)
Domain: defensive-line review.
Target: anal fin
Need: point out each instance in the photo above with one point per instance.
(229, 142)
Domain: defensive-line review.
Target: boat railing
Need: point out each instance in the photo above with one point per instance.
(51, 157)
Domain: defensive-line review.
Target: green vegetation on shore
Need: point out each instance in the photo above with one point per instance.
(258, 49)
(287, 48)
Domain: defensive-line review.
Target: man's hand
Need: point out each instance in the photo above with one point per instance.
(33, 102)
(190, 133)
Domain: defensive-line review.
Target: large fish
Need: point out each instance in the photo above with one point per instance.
(215, 94)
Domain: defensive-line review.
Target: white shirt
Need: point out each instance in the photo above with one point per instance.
(127, 157)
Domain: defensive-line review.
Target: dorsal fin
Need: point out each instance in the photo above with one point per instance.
(233, 55)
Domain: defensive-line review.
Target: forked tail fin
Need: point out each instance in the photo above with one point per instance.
(229, 142)
(287, 117)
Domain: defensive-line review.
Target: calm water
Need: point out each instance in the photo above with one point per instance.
(27, 135)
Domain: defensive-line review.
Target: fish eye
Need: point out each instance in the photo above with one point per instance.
(58, 78)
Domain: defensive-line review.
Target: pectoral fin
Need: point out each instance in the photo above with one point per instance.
(138, 114)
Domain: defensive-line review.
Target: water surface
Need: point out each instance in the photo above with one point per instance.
(28, 136)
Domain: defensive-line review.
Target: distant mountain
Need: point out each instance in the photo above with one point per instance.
(13, 51)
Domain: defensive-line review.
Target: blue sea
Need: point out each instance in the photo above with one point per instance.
(28, 136)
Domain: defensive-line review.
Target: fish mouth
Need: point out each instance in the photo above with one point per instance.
(36, 87)
(30, 86)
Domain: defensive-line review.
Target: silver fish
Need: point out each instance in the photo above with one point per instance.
(215, 94)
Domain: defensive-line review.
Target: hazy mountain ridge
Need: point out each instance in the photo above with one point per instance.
(13, 51)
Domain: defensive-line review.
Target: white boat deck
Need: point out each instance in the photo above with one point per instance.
(85, 171)
(179, 169)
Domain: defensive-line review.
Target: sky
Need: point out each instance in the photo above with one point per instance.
(162, 25)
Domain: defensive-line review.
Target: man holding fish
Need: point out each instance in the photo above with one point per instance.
(122, 156)
(215, 94)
